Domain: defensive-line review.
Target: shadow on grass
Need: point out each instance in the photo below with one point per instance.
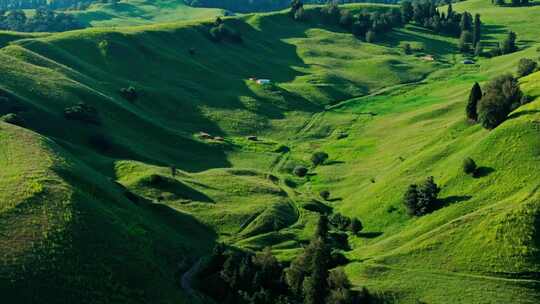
(369, 235)
(334, 162)
(443, 202)
(522, 113)
(483, 171)
(335, 199)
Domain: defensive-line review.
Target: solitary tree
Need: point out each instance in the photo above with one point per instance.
(477, 30)
(509, 44)
(474, 97)
(318, 158)
(469, 166)
(411, 199)
(526, 66)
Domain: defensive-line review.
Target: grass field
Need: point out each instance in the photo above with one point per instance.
(386, 119)
(140, 12)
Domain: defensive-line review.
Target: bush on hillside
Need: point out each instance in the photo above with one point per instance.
(503, 95)
(129, 93)
(318, 158)
(82, 112)
(526, 66)
(220, 32)
(469, 166)
(420, 200)
(356, 226)
(300, 171)
(13, 119)
(407, 49)
(325, 194)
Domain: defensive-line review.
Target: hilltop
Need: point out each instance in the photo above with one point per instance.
(94, 207)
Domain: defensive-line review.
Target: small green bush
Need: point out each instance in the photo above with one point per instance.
(526, 66)
(325, 194)
(13, 119)
(82, 112)
(318, 158)
(129, 93)
(300, 171)
(469, 166)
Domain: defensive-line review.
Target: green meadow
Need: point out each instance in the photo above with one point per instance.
(109, 222)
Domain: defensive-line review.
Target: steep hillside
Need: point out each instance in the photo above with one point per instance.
(119, 205)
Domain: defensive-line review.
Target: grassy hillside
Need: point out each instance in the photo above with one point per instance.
(139, 12)
(113, 224)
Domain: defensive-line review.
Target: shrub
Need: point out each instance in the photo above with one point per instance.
(82, 112)
(526, 66)
(300, 171)
(469, 166)
(325, 194)
(318, 158)
(13, 119)
(129, 93)
(420, 200)
(356, 226)
(340, 221)
(407, 49)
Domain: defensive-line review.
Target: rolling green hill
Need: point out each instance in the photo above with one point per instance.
(141, 12)
(92, 211)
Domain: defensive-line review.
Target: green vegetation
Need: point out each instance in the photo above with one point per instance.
(130, 209)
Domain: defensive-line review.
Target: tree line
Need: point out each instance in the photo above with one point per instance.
(44, 20)
(313, 277)
(364, 25)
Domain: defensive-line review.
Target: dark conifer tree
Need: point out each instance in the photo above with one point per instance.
(477, 30)
(474, 97)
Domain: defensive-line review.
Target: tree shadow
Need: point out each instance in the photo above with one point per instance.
(369, 235)
(522, 113)
(483, 171)
(431, 46)
(335, 199)
(333, 162)
(443, 202)
(177, 188)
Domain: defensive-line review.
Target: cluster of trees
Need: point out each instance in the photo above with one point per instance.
(220, 32)
(82, 112)
(129, 93)
(234, 276)
(501, 96)
(507, 46)
(345, 223)
(512, 2)
(44, 20)
(421, 199)
(364, 25)
(426, 14)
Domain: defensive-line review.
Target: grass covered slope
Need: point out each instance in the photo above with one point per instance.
(140, 12)
(386, 119)
(64, 224)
